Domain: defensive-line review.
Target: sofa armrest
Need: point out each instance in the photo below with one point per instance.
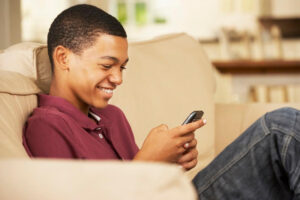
(232, 119)
(70, 179)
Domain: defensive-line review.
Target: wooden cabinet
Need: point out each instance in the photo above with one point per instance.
(258, 67)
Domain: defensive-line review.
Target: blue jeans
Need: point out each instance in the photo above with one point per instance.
(263, 163)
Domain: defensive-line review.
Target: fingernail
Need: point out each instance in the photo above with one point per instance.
(204, 121)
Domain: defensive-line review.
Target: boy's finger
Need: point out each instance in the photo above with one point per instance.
(190, 165)
(189, 156)
(187, 128)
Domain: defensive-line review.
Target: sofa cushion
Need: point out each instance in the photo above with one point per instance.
(70, 179)
(17, 84)
(17, 100)
(29, 59)
(166, 79)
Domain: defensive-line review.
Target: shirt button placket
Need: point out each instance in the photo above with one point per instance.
(100, 135)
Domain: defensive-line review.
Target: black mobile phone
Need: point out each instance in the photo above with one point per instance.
(194, 116)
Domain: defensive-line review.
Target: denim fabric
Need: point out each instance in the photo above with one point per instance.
(263, 163)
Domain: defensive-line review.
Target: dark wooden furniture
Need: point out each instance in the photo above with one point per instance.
(258, 67)
(289, 26)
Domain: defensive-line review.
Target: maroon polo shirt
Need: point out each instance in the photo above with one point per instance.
(57, 129)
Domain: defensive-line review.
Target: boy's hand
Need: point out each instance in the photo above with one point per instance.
(170, 145)
(189, 159)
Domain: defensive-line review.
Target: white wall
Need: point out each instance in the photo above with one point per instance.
(286, 8)
(203, 18)
(37, 16)
(199, 18)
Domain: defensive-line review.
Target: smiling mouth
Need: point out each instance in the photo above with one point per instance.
(106, 90)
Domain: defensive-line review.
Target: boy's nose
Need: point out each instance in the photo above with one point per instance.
(116, 77)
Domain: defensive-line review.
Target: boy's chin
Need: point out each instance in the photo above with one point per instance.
(100, 105)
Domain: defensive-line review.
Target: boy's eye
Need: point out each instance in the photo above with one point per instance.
(110, 66)
(107, 66)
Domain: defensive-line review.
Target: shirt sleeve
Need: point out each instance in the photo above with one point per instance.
(44, 138)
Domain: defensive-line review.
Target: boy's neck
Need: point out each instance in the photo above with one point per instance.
(60, 91)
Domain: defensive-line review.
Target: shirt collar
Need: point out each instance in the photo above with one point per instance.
(67, 108)
(95, 116)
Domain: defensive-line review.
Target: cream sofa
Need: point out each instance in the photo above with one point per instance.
(167, 78)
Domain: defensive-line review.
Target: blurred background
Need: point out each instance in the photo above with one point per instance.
(254, 45)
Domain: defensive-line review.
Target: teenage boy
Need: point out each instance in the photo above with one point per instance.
(88, 52)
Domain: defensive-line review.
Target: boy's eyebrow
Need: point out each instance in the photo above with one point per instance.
(116, 60)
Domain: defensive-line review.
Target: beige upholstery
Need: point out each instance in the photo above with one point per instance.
(29, 59)
(71, 180)
(17, 101)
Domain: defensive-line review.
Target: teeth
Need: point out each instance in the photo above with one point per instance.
(108, 91)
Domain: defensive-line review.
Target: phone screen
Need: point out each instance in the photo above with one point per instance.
(194, 116)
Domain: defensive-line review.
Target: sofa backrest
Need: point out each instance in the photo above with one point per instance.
(167, 78)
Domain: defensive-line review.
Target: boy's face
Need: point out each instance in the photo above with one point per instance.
(97, 71)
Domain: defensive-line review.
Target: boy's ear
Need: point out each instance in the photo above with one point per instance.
(61, 57)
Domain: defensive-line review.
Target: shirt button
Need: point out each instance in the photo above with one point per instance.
(98, 129)
(100, 136)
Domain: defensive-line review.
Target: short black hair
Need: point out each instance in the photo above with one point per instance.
(77, 27)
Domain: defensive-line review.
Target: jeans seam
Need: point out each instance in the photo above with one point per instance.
(291, 133)
(239, 157)
(264, 125)
(285, 149)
